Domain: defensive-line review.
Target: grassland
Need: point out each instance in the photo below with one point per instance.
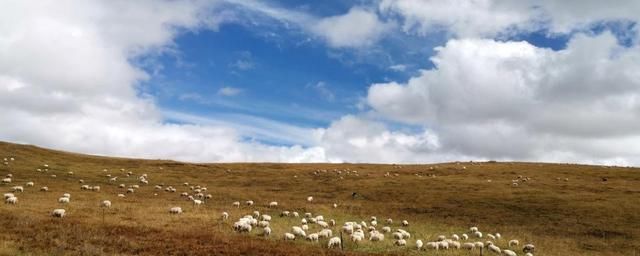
(582, 215)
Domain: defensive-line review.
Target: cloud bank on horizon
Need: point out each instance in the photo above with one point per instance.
(390, 81)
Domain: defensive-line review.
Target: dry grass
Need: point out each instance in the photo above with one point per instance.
(582, 216)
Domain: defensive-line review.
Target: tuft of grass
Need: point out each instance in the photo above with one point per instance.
(581, 216)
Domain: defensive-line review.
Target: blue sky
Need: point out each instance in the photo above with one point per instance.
(326, 81)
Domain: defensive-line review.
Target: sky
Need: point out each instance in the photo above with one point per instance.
(378, 81)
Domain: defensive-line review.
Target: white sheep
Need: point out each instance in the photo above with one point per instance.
(197, 202)
(265, 217)
(386, 229)
(400, 242)
(63, 200)
(6, 180)
(8, 195)
(431, 245)
(298, 231)
(236, 204)
(325, 233)
(528, 254)
(444, 245)
(405, 223)
(263, 224)
(473, 229)
(288, 236)
(313, 237)
(11, 200)
(441, 238)
(309, 199)
(493, 248)
(225, 215)
(455, 237)
(248, 202)
(468, 246)
(498, 236)
(477, 234)
(273, 204)
(334, 242)
(465, 237)
(492, 237)
(528, 248)
(513, 243)
(509, 253)
(266, 231)
(479, 244)
(29, 184)
(18, 189)
(58, 213)
(175, 210)
(376, 236)
(296, 214)
(121, 195)
(419, 244)
(106, 204)
(453, 244)
(44, 189)
(389, 221)
(122, 186)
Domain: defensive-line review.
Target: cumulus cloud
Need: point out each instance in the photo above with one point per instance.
(229, 91)
(494, 99)
(67, 81)
(358, 27)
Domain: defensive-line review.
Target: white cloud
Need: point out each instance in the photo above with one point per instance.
(358, 27)
(513, 100)
(322, 89)
(229, 91)
(398, 67)
(490, 18)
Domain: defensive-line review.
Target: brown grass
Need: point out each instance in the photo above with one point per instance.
(582, 216)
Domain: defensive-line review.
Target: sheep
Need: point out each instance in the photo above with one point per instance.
(84, 187)
(29, 184)
(121, 195)
(332, 222)
(465, 237)
(236, 204)
(454, 244)
(309, 199)
(478, 234)
(473, 229)
(58, 213)
(397, 235)
(197, 202)
(513, 243)
(122, 186)
(376, 236)
(266, 231)
(175, 210)
(357, 236)
(288, 236)
(18, 189)
(313, 237)
(285, 214)
(468, 246)
(63, 200)
(455, 237)
(248, 202)
(303, 221)
(298, 231)
(405, 223)
(242, 226)
(386, 229)
(528, 248)
(400, 242)
(419, 244)
(208, 196)
(493, 248)
(431, 245)
(335, 205)
(498, 236)
(256, 214)
(528, 254)
(225, 215)
(334, 242)
(273, 204)
(325, 233)
(509, 253)
(295, 214)
(492, 237)
(404, 233)
(67, 195)
(11, 200)
(105, 204)
(263, 224)
(389, 221)
(308, 215)
(479, 244)
(442, 245)
(441, 238)
(8, 195)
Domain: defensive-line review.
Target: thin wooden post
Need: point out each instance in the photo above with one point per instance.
(341, 242)
(481, 251)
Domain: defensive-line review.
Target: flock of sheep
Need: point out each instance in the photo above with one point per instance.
(312, 228)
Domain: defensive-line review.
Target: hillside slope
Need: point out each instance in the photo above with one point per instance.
(563, 209)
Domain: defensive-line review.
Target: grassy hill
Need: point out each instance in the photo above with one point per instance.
(563, 209)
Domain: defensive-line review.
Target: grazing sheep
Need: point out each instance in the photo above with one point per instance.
(289, 236)
(309, 199)
(225, 215)
(404, 233)
(477, 234)
(296, 214)
(84, 187)
(473, 229)
(332, 222)
(492, 237)
(498, 236)
(454, 244)
(175, 210)
(389, 221)
(405, 223)
(298, 231)
(208, 196)
(443, 245)
(334, 242)
(263, 224)
(122, 186)
(273, 204)
(106, 204)
(528, 248)
(455, 237)
(266, 231)
(494, 248)
(265, 217)
(67, 195)
(325, 233)
(397, 235)
(509, 253)
(248, 202)
(11, 200)
(400, 242)
(303, 221)
(308, 215)
(236, 204)
(121, 195)
(63, 200)
(479, 244)
(18, 189)
(256, 214)
(386, 229)
(197, 202)
(419, 244)
(528, 254)
(431, 245)
(29, 184)
(335, 205)
(465, 237)
(468, 246)
(313, 237)
(513, 243)
(8, 195)
(58, 213)
(441, 238)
